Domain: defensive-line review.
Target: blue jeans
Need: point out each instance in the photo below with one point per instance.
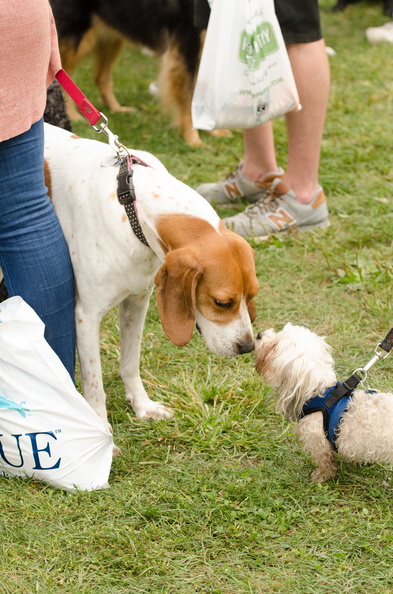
(34, 255)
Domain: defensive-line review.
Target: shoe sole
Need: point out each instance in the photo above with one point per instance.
(323, 225)
(238, 202)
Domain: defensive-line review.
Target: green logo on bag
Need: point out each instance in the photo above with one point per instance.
(256, 46)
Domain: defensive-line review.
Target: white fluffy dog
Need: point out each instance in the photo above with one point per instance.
(298, 363)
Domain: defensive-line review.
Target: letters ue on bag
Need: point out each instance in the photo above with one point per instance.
(47, 429)
(28, 443)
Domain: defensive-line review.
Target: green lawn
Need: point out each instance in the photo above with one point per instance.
(219, 499)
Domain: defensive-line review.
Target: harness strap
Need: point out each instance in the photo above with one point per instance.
(325, 414)
(343, 389)
(126, 194)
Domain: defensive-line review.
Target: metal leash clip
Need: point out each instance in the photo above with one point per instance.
(119, 148)
(382, 350)
(91, 113)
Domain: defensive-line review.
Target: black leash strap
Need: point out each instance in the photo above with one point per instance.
(126, 195)
(343, 389)
(387, 343)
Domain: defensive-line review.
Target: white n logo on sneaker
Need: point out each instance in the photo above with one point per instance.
(280, 218)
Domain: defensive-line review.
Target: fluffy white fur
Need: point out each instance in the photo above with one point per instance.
(299, 364)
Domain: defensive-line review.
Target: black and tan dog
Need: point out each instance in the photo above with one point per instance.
(342, 4)
(103, 27)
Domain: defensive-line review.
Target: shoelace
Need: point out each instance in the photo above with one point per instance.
(267, 203)
(232, 175)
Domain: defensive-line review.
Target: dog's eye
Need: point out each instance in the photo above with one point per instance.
(226, 304)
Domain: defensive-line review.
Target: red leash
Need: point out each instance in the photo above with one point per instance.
(125, 188)
(92, 114)
(86, 108)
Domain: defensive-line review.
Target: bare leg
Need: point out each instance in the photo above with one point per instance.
(312, 74)
(310, 66)
(259, 152)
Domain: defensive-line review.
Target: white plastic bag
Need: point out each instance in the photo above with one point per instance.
(47, 429)
(245, 77)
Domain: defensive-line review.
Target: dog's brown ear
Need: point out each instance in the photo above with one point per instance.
(176, 282)
(252, 312)
(246, 259)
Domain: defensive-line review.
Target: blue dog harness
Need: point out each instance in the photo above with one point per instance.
(333, 404)
(331, 408)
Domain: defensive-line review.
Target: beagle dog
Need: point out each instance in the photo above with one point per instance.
(204, 273)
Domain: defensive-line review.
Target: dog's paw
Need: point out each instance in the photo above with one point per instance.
(116, 451)
(320, 476)
(158, 413)
(221, 133)
(148, 409)
(192, 137)
(125, 109)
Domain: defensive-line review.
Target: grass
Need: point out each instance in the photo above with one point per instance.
(218, 500)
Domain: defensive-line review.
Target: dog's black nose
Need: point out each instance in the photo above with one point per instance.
(245, 347)
(259, 335)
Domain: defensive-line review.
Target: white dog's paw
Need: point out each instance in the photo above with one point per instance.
(151, 410)
(158, 412)
(116, 451)
(321, 475)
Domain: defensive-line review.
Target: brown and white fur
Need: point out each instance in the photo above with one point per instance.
(299, 364)
(204, 273)
(103, 27)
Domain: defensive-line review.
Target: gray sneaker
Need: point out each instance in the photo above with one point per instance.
(279, 213)
(236, 188)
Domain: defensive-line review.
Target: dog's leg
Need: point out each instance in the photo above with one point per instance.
(108, 47)
(313, 438)
(88, 341)
(132, 318)
(175, 90)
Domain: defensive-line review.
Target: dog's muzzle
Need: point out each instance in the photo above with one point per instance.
(245, 347)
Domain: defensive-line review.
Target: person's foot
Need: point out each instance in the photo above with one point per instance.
(280, 212)
(380, 34)
(236, 188)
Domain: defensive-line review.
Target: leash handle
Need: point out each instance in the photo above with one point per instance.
(85, 107)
